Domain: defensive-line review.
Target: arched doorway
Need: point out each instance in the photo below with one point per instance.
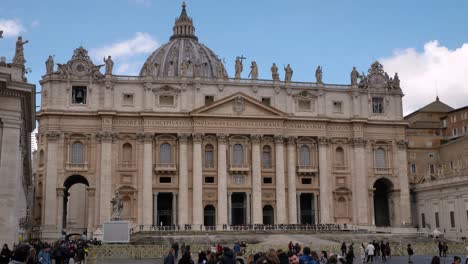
(165, 209)
(382, 190)
(268, 215)
(74, 204)
(209, 213)
(238, 209)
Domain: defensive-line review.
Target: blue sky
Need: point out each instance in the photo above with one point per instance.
(422, 40)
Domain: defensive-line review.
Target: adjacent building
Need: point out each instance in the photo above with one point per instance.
(17, 121)
(183, 143)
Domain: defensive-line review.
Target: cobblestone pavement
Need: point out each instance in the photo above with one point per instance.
(393, 260)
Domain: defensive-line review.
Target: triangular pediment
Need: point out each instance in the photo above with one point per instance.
(237, 105)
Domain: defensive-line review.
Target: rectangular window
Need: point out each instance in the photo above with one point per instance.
(209, 180)
(267, 180)
(377, 105)
(423, 221)
(453, 118)
(79, 94)
(266, 101)
(337, 107)
(306, 180)
(437, 220)
(444, 123)
(452, 219)
(413, 168)
(465, 129)
(165, 179)
(454, 132)
(432, 169)
(127, 100)
(166, 100)
(305, 105)
(209, 99)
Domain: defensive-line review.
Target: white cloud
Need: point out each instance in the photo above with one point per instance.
(11, 27)
(142, 43)
(435, 70)
(128, 68)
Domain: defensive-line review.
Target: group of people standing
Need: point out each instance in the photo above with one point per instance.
(370, 252)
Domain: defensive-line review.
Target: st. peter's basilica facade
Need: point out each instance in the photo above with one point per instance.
(182, 143)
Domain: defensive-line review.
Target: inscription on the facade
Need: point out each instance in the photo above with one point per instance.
(235, 123)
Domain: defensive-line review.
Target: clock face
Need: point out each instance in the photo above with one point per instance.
(79, 68)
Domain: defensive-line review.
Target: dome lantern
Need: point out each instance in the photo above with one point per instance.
(183, 27)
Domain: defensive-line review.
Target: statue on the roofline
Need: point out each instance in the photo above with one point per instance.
(19, 51)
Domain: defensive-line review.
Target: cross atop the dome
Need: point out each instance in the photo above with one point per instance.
(183, 27)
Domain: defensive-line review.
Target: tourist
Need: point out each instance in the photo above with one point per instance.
(5, 255)
(343, 248)
(186, 257)
(293, 258)
(387, 249)
(175, 246)
(20, 254)
(211, 258)
(370, 253)
(282, 256)
(376, 247)
(306, 258)
(435, 260)
(297, 248)
(201, 257)
(272, 257)
(350, 255)
(445, 249)
(44, 256)
(332, 260)
(323, 257)
(363, 252)
(456, 260)
(290, 246)
(410, 251)
(237, 247)
(441, 248)
(383, 250)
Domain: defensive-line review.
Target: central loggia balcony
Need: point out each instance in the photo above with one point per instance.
(306, 169)
(239, 168)
(165, 167)
(383, 171)
(77, 166)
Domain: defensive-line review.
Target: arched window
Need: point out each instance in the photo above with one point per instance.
(41, 158)
(305, 155)
(380, 158)
(238, 154)
(77, 153)
(127, 153)
(165, 153)
(209, 155)
(339, 156)
(266, 157)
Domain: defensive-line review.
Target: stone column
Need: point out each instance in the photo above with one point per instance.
(222, 181)
(316, 209)
(60, 193)
(155, 209)
(50, 195)
(298, 206)
(247, 196)
(405, 207)
(105, 177)
(197, 205)
(280, 182)
(292, 204)
(257, 212)
(91, 206)
(183, 180)
(174, 208)
(229, 208)
(326, 203)
(147, 188)
(360, 191)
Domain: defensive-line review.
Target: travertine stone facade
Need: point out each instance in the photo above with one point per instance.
(185, 144)
(17, 120)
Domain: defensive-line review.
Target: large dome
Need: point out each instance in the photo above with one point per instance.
(183, 55)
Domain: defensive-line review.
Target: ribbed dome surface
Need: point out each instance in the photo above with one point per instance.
(183, 55)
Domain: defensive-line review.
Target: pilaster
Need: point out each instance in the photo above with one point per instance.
(361, 201)
(280, 182)
(105, 185)
(222, 180)
(147, 188)
(326, 203)
(292, 204)
(183, 180)
(197, 190)
(257, 212)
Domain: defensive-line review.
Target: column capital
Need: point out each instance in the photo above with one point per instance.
(197, 138)
(155, 193)
(106, 136)
(359, 142)
(279, 139)
(222, 138)
(145, 137)
(183, 138)
(402, 144)
(255, 138)
(291, 141)
(53, 135)
(323, 141)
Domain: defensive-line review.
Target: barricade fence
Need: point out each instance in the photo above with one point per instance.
(317, 227)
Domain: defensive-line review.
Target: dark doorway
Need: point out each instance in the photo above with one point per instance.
(209, 214)
(307, 210)
(238, 208)
(164, 209)
(268, 215)
(68, 184)
(382, 189)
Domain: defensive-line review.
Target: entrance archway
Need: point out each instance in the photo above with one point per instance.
(165, 209)
(74, 204)
(268, 215)
(382, 190)
(238, 209)
(306, 208)
(209, 213)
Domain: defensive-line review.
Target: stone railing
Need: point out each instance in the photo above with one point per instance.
(165, 167)
(385, 171)
(76, 166)
(239, 167)
(305, 169)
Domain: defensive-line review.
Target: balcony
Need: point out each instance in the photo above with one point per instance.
(239, 168)
(165, 167)
(76, 166)
(306, 169)
(209, 167)
(127, 166)
(340, 168)
(382, 171)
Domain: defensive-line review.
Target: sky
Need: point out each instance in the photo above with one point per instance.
(426, 42)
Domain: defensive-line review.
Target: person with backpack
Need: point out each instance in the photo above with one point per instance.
(306, 258)
(410, 252)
